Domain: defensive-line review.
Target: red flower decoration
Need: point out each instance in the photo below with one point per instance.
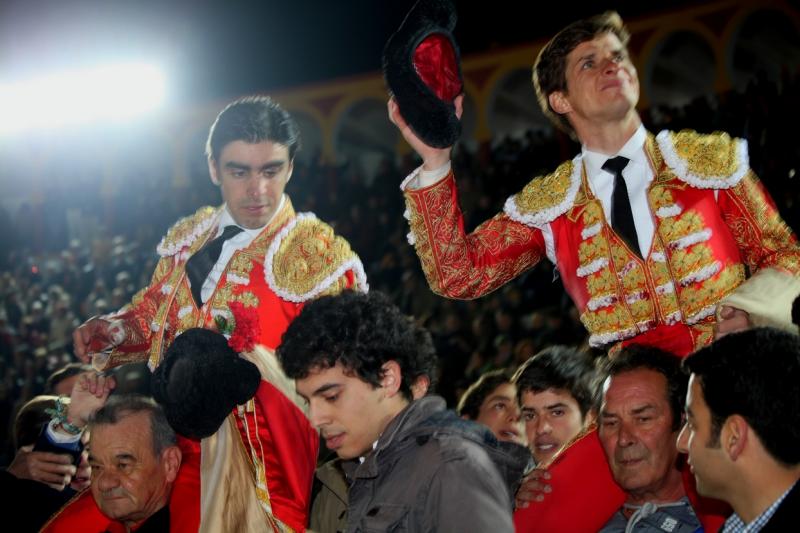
(246, 330)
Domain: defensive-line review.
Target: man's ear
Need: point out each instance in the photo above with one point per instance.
(734, 435)
(420, 387)
(212, 171)
(391, 378)
(590, 418)
(171, 460)
(559, 103)
(459, 103)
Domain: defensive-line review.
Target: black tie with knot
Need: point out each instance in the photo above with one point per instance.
(621, 212)
(200, 264)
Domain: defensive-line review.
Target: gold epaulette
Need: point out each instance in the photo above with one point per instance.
(306, 260)
(546, 197)
(705, 161)
(187, 230)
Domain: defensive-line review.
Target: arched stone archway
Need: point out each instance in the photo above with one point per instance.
(767, 42)
(364, 136)
(513, 108)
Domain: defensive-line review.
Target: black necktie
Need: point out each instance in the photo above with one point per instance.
(200, 264)
(621, 213)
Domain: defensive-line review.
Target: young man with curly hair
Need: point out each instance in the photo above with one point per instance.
(412, 464)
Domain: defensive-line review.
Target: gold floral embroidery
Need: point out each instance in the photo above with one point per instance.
(466, 266)
(699, 296)
(545, 192)
(308, 255)
(707, 156)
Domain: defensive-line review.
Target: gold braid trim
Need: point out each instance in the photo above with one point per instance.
(545, 198)
(187, 230)
(307, 260)
(714, 161)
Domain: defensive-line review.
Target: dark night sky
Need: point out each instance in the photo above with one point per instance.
(219, 49)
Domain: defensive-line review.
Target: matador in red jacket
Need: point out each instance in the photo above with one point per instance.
(255, 473)
(666, 239)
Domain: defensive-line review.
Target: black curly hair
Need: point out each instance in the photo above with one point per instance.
(470, 403)
(361, 332)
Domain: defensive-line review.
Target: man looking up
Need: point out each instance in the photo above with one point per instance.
(653, 236)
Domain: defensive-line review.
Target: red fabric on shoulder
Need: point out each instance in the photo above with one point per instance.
(435, 62)
(584, 495)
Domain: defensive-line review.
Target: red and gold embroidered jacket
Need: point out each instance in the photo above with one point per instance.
(294, 259)
(714, 222)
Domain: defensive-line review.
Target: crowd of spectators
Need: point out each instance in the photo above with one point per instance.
(49, 285)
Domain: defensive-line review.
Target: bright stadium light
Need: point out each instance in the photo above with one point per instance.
(105, 93)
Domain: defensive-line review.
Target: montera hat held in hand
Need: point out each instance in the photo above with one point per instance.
(200, 381)
(422, 67)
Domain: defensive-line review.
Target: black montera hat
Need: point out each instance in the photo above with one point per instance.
(422, 67)
(200, 381)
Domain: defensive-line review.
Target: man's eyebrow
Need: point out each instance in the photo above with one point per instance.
(555, 405)
(273, 164)
(124, 457)
(643, 409)
(503, 397)
(325, 388)
(237, 165)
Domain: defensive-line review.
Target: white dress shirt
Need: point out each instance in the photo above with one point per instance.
(637, 175)
(237, 242)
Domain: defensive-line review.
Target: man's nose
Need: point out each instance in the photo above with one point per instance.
(543, 426)
(626, 435)
(106, 480)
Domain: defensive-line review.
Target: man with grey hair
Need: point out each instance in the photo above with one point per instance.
(135, 460)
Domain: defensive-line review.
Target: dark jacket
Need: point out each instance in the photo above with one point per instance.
(787, 516)
(433, 471)
(329, 506)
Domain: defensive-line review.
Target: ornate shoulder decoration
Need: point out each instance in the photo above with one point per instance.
(714, 161)
(306, 258)
(187, 230)
(545, 198)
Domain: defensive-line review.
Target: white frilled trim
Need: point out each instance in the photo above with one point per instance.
(166, 250)
(681, 168)
(658, 257)
(166, 288)
(155, 326)
(666, 288)
(414, 174)
(411, 239)
(545, 216)
(353, 264)
(700, 315)
(645, 325)
(239, 280)
(667, 211)
(701, 274)
(407, 215)
(634, 297)
(183, 311)
(692, 238)
(591, 268)
(601, 339)
(673, 318)
(184, 255)
(599, 302)
(591, 231)
(223, 313)
(630, 265)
